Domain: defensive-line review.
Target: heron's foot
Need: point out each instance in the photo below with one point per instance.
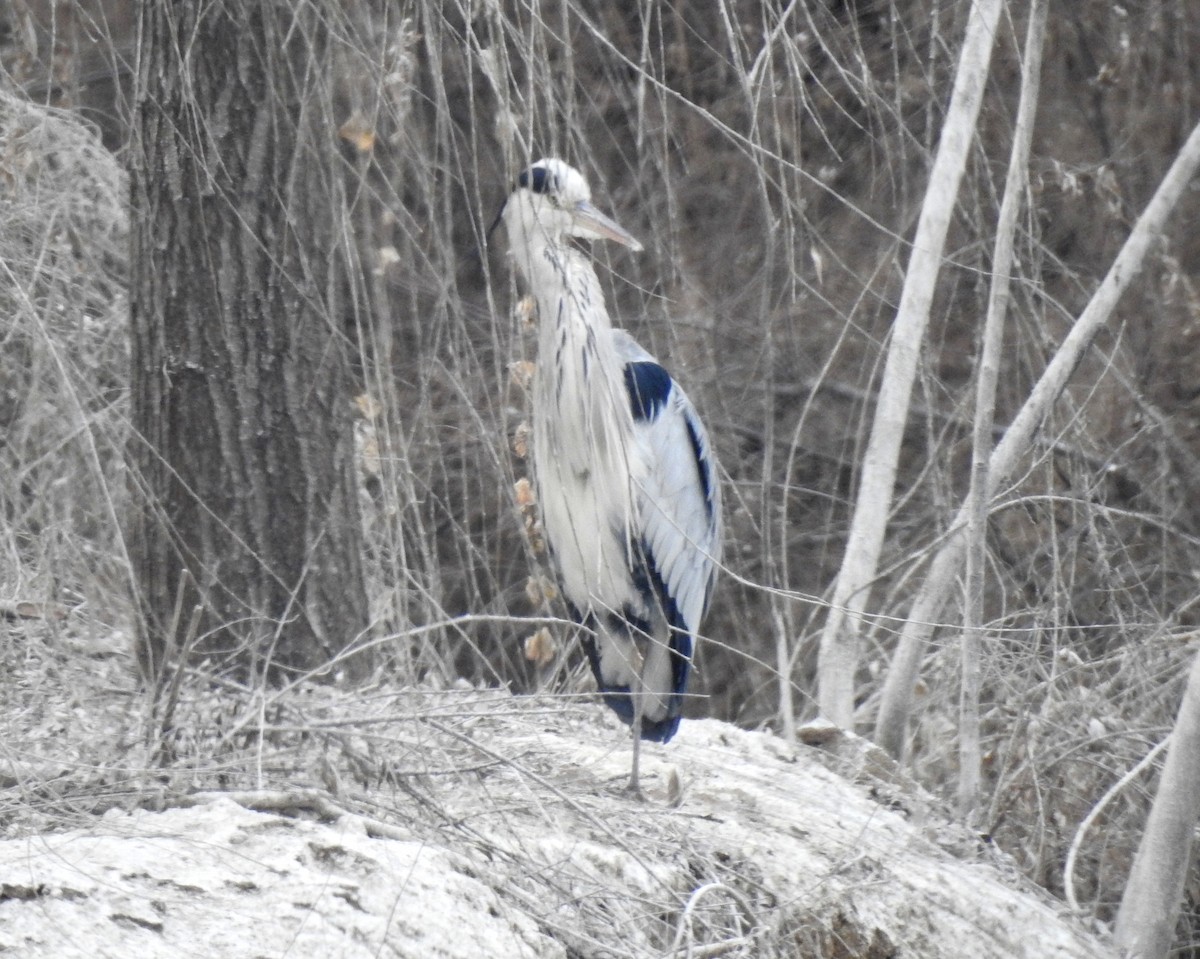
(633, 790)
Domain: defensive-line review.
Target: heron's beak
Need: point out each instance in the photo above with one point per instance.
(593, 224)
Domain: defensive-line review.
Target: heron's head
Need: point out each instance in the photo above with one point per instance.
(552, 202)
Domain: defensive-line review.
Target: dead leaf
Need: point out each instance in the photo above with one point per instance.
(368, 406)
(521, 373)
(520, 441)
(524, 492)
(358, 132)
(539, 589)
(525, 312)
(540, 648)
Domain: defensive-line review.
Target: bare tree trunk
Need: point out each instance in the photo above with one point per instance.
(896, 699)
(243, 456)
(1150, 906)
(839, 639)
(985, 402)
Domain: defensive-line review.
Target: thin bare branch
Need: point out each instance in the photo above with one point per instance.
(840, 637)
(939, 582)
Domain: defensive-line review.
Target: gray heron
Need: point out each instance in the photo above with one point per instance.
(625, 475)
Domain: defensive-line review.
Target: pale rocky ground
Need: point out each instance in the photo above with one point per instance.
(516, 841)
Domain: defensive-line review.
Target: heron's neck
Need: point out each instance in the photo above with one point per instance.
(575, 417)
(570, 302)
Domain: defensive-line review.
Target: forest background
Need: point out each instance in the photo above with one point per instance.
(773, 159)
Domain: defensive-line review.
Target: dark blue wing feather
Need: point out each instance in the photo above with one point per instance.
(648, 385)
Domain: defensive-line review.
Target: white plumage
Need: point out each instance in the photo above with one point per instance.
(626, 478)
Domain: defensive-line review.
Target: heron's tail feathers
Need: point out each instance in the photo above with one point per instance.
(623, 665)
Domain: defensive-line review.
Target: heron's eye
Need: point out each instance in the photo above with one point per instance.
(538, 179)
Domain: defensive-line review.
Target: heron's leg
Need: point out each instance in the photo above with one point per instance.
(634, 789)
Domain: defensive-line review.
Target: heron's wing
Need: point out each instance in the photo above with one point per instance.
(674, 475)
(677, 528)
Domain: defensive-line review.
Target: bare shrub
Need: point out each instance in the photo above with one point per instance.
(63, 359)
